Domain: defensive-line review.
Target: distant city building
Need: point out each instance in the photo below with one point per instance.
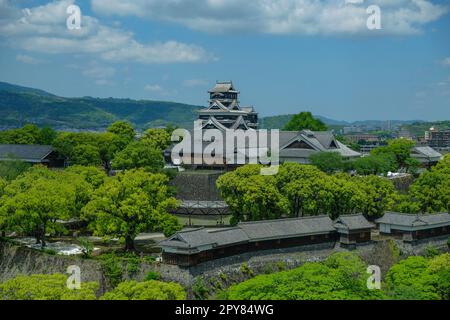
(438, 139)
(224, 109)
(358, 138)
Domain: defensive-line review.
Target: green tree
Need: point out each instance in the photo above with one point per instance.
(92, 175)
(86, 155)
(431, 189)
(341, 277)
(252, 196)
(123, 129)
(159, 138)
(305, 120)
(45, 287)
(376, 164)
(419, 278)
(130, 203)
(328, 162)
(148, 290)
(35, 202)
(11, 168)
(379, 195)
(400, 148)
(139, 154)
(47, 136)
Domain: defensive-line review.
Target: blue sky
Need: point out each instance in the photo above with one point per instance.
(284, 56)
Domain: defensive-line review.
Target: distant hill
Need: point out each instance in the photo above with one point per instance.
(21, 105)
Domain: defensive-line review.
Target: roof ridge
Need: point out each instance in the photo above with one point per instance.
(285, 219)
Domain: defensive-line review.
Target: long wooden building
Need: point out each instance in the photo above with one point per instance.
(191, 247)
(413, 227)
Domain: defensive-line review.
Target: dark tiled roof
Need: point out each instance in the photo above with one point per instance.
(287, 228)
(414, 220)
(250, 231)
(353, 222)
(30, 153)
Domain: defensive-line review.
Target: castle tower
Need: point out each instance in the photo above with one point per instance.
(224, 111)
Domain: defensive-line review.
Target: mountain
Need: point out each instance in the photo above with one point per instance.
(21, 105)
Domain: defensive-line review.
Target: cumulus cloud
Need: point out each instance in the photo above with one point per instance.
(43, 29)
(308, 17)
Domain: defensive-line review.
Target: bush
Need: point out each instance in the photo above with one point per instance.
(152, 275)
(148, 290)
(45, 287)
(200, 290)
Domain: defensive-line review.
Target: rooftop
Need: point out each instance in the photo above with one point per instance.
(414, 220)
(29, 153)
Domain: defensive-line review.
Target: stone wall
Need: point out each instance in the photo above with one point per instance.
(200, 186)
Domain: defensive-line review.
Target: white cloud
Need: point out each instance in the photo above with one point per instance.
(159, 90)
(28, 59)
(280, 16)
(195, 83)
(154, 88)
(99, 72)
(43, 29)
(446, 62)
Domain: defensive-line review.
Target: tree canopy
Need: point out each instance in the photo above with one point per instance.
(130, 203)
(45, 287)
(302, 190)
(148, 290)
(139, 154)
(36, 201)
(305, 120)
(340, 277)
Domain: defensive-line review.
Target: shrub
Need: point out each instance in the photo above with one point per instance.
(152, 275)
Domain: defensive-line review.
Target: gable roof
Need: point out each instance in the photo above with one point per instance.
(353, 222)
(426, 152)
(414, 220)
(27, 153)
(287, 228)
(226, 86)
(319, 141)
(201, 239)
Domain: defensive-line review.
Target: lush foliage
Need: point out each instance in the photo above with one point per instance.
(45, 287)
(12, 168)
(38, 199)
(28, 134)
(305, 120)
(342, 276)
(130, 203)
(328, 162)
(148, 290)
(419, 278)
(302, 190)
(139, 154)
